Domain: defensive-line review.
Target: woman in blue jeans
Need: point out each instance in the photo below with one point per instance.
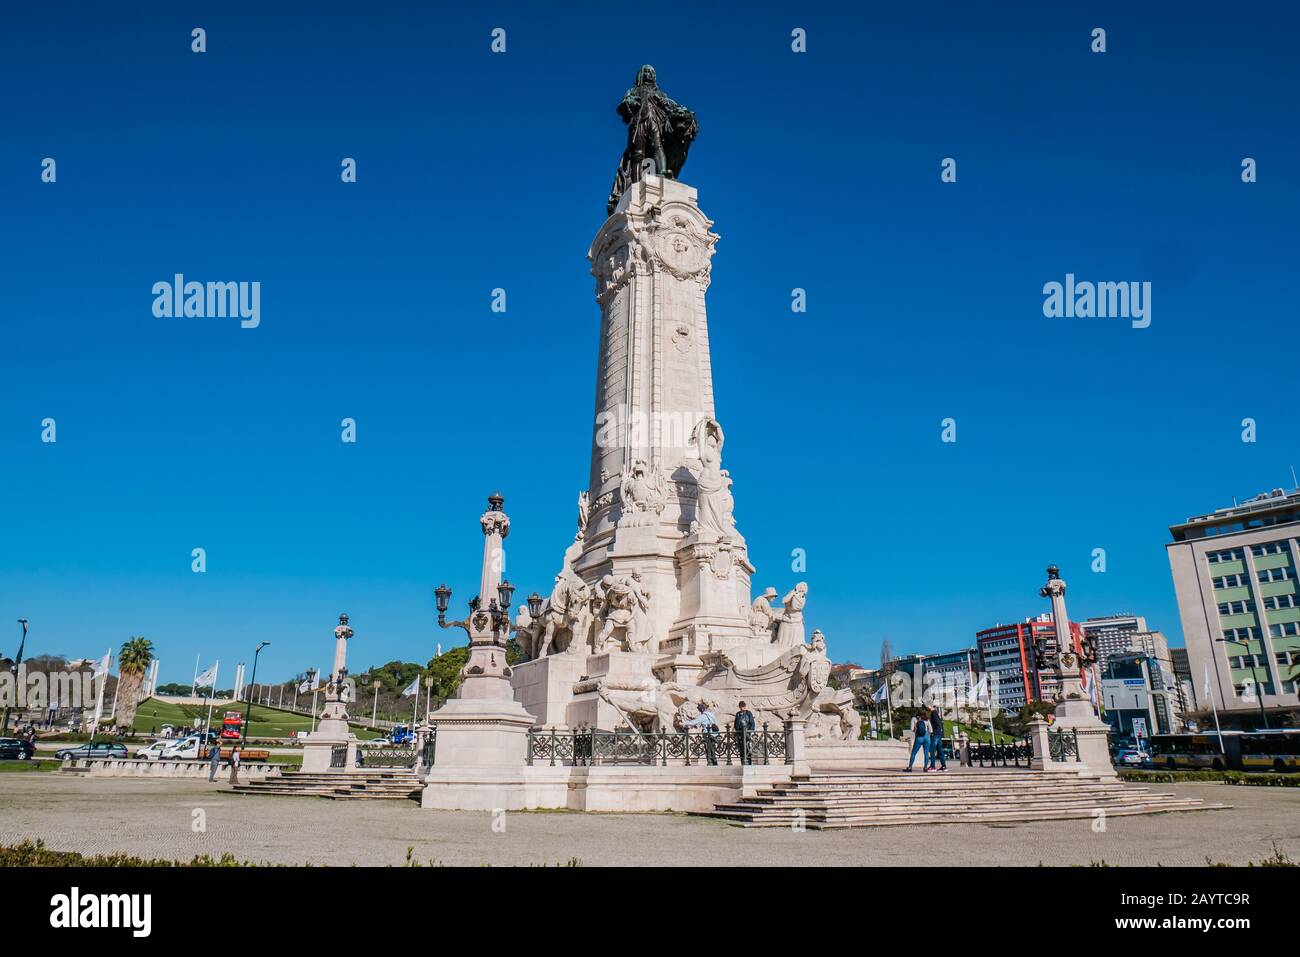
(920, 742)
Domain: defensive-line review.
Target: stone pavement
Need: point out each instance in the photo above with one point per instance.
(153, 818)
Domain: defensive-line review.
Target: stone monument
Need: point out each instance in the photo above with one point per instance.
(650, 614)
(332, 729)
(1070, 664)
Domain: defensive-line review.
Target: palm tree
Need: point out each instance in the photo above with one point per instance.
(132, 663)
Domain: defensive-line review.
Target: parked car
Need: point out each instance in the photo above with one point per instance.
(94, 749)
(186, 748)
(1132, 757)
(154, 751)
(12, 749)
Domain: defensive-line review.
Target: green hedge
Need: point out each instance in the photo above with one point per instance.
(1222, 777)
(36, 854)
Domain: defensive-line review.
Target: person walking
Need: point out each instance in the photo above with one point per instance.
(744, 728)
(234, 765)
(706, 720)
(920, 740)
(214, 762)
(936, 741)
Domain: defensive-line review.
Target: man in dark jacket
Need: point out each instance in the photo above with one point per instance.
(936, 740)
(744, 728)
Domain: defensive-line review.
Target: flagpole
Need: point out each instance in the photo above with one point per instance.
(195, 683)
(99, 699)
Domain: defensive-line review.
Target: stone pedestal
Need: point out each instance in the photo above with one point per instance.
(318, 752)
(1093, 734)
(612, 670)
(796, 754)
(545, 686)
(714, 578)
(476, 732)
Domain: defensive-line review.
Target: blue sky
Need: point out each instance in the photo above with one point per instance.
(478, 171)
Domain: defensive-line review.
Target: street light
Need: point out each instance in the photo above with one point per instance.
(22, 643)
(248, 708)
(443, 595)
(1259, 688)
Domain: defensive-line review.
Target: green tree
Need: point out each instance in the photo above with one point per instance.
(132, 663)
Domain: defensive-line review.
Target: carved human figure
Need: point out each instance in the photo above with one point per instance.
(713, 506)
(616, 608)
(789, 632)
(579, 618)
(639, 634)
(584, 511)
(555, 614)
(642, 492)
(761, 615)
(659, 130)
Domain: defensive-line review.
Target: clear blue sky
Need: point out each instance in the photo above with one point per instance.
(479, 171)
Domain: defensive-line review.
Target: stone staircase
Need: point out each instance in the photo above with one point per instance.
(391, 785)
(975, 796)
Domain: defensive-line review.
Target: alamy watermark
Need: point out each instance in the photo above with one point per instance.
(1098, 300)
(212, 300)
(41, 689)
(663, 430)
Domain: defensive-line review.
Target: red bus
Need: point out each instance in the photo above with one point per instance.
(232, 725)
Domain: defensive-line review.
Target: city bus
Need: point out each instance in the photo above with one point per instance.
(1233, 750)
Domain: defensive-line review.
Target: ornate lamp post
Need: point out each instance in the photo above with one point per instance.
(486, 674)
(483, 726)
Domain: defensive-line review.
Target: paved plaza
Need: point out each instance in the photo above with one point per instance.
(154, 818)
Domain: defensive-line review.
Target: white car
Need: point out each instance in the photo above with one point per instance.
(154, 751)
(184, 749)
(1132, 756)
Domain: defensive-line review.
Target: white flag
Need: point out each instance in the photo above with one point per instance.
(979, 690)
(305, 686)
(412, 688)
(101, 666)
(881, 692)
(205, 680)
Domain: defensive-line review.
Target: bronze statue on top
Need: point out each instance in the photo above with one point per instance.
(659, 132)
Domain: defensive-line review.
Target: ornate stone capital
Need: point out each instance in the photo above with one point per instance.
(495, 522)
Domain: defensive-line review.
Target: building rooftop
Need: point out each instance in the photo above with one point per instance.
(1277, 507)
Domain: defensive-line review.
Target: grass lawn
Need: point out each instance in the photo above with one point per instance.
(34, 764)
(264, 722)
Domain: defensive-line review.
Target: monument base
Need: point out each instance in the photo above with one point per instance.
(857, 755)
(318, 752)
(1092, 734)
(545, 686)
(613, 789)
(481, 733)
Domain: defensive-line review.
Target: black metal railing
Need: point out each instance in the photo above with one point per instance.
(1002, 755)
(1062, 745)
(338, 756)
(586, 746)
(386, 757)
